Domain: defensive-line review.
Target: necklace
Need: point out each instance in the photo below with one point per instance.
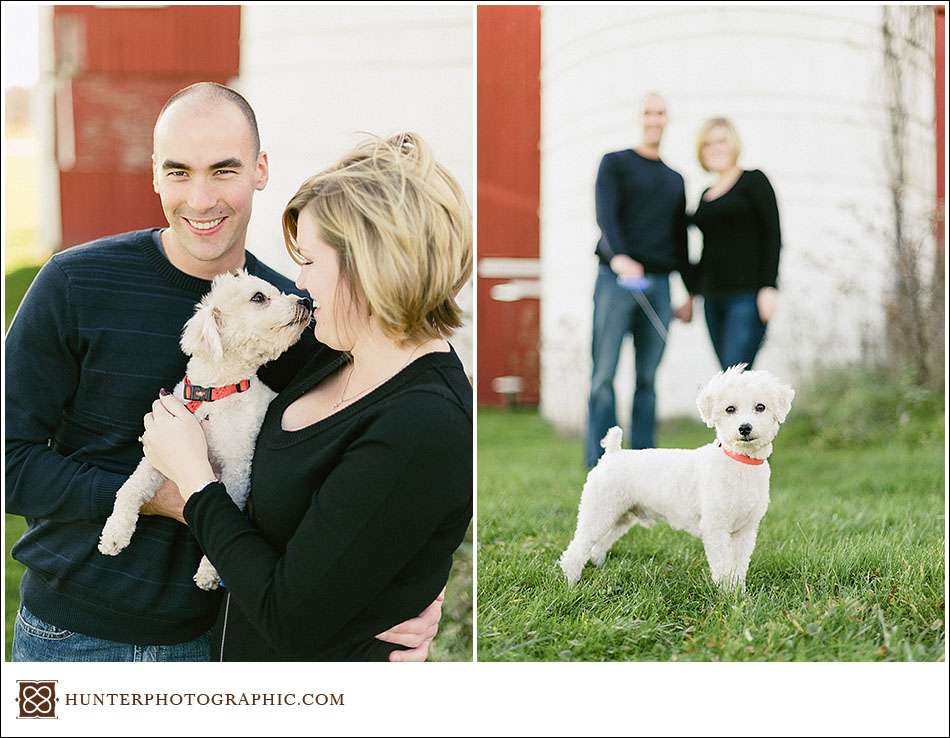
(344, 399)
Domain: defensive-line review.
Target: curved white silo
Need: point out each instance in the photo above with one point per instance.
(804, 87)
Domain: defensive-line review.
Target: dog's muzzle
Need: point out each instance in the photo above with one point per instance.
(303, 311)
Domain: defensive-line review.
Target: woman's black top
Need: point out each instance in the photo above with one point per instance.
(352, 521)
(741, 237)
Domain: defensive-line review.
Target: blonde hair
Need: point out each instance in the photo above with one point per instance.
(707, 128)
(402, 231)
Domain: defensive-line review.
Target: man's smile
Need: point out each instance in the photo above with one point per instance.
(205, 227)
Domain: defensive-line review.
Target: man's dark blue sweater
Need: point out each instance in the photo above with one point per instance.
(94, 340)
(641, 211)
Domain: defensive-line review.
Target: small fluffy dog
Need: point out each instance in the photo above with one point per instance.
(240, 325)
(718, 492)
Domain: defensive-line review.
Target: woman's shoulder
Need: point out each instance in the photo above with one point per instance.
(428, 423)
(756, 177)
(758, 187)
(439, 394)
(435, 394)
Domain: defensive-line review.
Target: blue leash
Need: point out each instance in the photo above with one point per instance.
(637, 285)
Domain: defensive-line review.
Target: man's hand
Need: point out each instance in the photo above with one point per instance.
(416, 633)
(167, 502)
(766, 300)
(623, 266)
(685, 311)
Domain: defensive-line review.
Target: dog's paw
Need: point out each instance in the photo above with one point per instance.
(571, 573)
(206, 581)
(113, 541)
(598, 559)
(729, 585)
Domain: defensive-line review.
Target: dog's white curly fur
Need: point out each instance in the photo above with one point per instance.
(231, 335)
(702, 491)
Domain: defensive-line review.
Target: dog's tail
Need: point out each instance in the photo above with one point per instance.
(611, 442)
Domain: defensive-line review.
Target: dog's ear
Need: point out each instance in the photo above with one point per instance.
(783, 396)
(202, 334)
(705, 401)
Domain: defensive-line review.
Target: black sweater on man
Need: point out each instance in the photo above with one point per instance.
(352, 521)
(641, 211)
(741, 238)
(94, 340)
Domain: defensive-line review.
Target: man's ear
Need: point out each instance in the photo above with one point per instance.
(262, 174)
(154, 176)
(202, 334)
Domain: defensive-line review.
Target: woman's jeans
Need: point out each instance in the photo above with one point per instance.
(616, 313)
(734, 327)
(37, 640)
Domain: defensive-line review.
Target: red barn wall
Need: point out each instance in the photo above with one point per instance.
(509, 167)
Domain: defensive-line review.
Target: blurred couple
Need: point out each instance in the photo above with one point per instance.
(642, 214)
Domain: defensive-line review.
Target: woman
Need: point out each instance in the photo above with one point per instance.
(362, 475)
(738, 271)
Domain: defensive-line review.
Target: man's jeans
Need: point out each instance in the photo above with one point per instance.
(734, 327)
(616, 313)
(36, 640)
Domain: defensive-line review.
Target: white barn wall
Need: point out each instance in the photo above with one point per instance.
(318, 75)
(803, 87)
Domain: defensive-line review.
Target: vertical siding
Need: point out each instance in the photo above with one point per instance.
(509, 120)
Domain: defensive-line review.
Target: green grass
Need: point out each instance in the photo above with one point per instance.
(17, 283)
(454, 641)
(849, 564)
(12, 572)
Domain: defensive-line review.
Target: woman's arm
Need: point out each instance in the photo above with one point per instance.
(766, 210)
(680, 235)
(389, 494)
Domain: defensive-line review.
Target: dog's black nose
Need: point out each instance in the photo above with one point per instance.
(745, 429)
(306, 302)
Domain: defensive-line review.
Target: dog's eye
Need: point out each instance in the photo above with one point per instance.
(731, 409)
(760, 408)
(258, 297)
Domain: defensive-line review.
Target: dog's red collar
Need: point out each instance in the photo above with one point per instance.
(197, 394)
(741, 457)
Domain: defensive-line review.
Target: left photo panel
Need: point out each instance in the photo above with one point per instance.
(238, 248)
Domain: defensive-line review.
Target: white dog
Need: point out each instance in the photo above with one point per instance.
(241, 324)
(718, 492)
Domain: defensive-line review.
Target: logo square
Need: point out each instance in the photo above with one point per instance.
(37, 699)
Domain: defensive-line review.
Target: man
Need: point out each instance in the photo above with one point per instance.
(94, 341)
(641, 211)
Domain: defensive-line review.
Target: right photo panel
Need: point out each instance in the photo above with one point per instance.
(710, 333)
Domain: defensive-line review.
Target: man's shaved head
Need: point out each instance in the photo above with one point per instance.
(212, 93)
